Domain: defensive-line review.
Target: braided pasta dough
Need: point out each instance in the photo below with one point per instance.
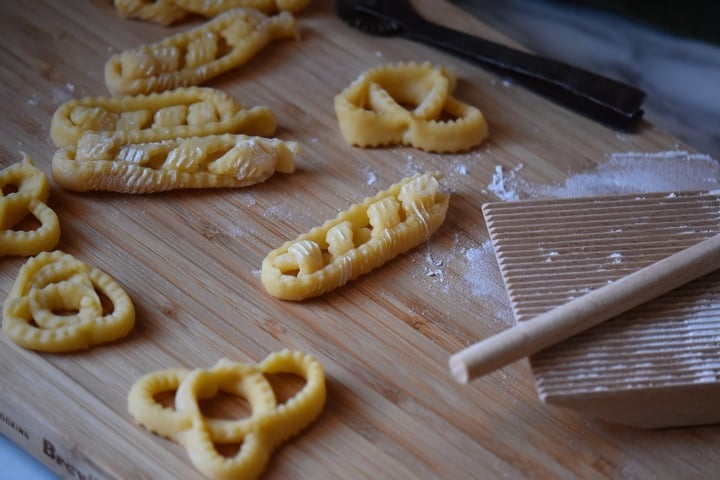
(183, 112)
(197, 55)
(167, 12)
(100, 162)
(28, 190)
(358, 240)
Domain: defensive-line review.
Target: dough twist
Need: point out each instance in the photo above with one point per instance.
(408, 104)
(60, 304)
(269, 423)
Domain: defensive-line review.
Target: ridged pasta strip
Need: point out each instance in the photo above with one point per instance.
(185, 59)
(269, 423)
(55, 281)
(24, 190)
(167, 12)
(408, 104)
(101, 162)
(358, 240)
(183, 112)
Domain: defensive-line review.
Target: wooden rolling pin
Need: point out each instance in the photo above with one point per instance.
(558, 324)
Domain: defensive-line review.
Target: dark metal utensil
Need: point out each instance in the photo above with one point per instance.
(608, 101)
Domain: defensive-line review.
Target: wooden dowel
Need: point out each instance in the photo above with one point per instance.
(549, 328)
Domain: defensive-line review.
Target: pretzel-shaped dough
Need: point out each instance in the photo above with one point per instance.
(167, 12)
(358, 240)
(183, 112)
(57, 305)
(101, 162)
(28, 190)
(371, 111)
(268, 425)
(192, 57)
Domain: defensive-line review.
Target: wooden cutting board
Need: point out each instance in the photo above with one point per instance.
(190, 261)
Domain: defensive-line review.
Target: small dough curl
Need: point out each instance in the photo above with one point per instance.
(27, 190)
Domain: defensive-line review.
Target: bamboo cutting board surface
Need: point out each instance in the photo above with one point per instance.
(190, 261)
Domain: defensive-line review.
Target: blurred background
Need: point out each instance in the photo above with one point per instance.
(670, 49)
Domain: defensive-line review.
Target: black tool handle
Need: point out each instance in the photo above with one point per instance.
(606, 100)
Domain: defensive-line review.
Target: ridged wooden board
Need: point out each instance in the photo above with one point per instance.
(190, 262)
(657, 365)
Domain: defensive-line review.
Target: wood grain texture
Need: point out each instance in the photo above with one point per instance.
(190, 260)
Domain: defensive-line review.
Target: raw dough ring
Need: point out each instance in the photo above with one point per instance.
(55, 281)
(371, 111)
(268, 424)
(358, 240)
(104, 163)
(197, 55)
(183, 112)
(167, 12)
(31, 191)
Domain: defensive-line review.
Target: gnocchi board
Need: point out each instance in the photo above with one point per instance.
(552, 251)
(190, 261)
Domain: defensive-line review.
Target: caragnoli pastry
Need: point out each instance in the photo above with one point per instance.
(27, 190)
(358, 240)
(183, 112)
(408, 104)
(100, 162)
(95, 307)
(167, 12)
(269, 423)
(197, 55)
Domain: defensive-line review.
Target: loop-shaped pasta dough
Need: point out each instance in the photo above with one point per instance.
(269, 423)
(100, 162)
(408, 104)
(60, 304)
(379, 228)
(27, 190)
(167, 12)
(183, 112)
(197, 55)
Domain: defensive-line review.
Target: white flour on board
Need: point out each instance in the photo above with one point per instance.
(623, 173)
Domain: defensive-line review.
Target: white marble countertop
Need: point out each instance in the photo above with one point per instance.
(680, 76)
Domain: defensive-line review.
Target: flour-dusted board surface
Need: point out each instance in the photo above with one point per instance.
(190, 261)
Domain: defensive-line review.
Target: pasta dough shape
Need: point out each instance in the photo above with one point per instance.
(372, 111)
(100, 162)
(24, 189)
(358, 240)
(60, 304)
(269, 423)
(167, 12)
(183, 112)
(197, 55)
